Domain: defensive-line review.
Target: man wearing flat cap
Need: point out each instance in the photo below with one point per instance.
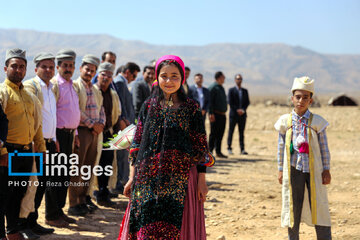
(112, 106)
(41, 87)
(67, 121)
(23, 111)
(92, 123)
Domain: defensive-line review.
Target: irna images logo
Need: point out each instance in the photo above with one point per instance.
(16, 154)
(58, 164)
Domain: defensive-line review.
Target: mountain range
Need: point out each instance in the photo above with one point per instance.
(266, 68)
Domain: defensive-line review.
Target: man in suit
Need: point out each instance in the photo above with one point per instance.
(186, 85)
(239, 101)
(128, 74)
(142, 89)
(201, 94)
(217, 113)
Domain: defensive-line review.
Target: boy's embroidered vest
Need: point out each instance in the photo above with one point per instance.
(288, 140)
(318, 213)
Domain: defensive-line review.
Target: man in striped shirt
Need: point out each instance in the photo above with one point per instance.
(92, 122)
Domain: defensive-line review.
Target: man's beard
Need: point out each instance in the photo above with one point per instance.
(15, 78)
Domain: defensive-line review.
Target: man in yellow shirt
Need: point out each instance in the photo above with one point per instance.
(3, 170)
(23, 111)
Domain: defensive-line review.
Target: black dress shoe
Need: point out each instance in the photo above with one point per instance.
(85, 208)
(40, 230)
(117, 190)
(28, 234)
(77, 210)
(91, 206)
(68, 219)
(59, 223)
(113, 195)
(220, 155)
(106, 202)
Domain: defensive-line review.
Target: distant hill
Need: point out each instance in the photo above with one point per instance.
(266, 68)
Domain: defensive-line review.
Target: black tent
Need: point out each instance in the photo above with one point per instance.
(342, 100)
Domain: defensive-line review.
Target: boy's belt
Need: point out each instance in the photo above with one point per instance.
(18, 146)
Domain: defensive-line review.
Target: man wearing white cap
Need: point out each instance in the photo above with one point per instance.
(41, 87)
(304, 164)
(92, 123)
(23, 111)
(112, 107)
(67, 121)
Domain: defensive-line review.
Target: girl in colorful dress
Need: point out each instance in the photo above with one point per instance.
(169, 155)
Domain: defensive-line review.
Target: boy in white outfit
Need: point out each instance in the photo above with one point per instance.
(304, 164)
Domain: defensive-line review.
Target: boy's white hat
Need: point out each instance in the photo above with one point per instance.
(303, 83)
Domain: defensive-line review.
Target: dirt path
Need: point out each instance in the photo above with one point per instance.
(245, 198)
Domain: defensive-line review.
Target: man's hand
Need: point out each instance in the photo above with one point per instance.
(77, 141)
(98, 128)
(212, 117)
(4, 160)
(240, 112)
(57, 146)
(122, 124)
(326, 177)
(44, 158)
(280, 177)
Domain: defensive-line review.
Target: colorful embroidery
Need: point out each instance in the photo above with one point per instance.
(169, 143)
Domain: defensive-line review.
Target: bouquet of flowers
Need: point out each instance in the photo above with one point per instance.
(121, 140)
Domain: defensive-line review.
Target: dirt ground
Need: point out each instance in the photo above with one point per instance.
(244, 201)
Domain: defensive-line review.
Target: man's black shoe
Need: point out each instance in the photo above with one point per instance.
(77, 211)
(40, 230)
(85, 208)
(106, 202)
(118, 190)
(113, 195)
(220, 155)
(243, 152)
(28, 234)
(91, 206)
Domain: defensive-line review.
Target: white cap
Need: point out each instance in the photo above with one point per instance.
(303, 83)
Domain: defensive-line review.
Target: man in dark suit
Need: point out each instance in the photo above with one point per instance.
(201, 94)
(128, 74)
(217, 113)
(186, 85)
(239, 101)
(142, 89)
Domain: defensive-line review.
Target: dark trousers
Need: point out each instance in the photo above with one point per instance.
(122, 157)
(55, 196)
(298, 182)
(40, 191)
(217, 132)
(12, 190)
(106, 159)
(240, 121)
(4, 192)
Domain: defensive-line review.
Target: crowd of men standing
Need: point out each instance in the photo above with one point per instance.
(56, 114)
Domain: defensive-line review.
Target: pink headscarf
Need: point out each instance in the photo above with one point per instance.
(171, 57)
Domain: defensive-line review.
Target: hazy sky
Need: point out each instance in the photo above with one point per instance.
(325, 26)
